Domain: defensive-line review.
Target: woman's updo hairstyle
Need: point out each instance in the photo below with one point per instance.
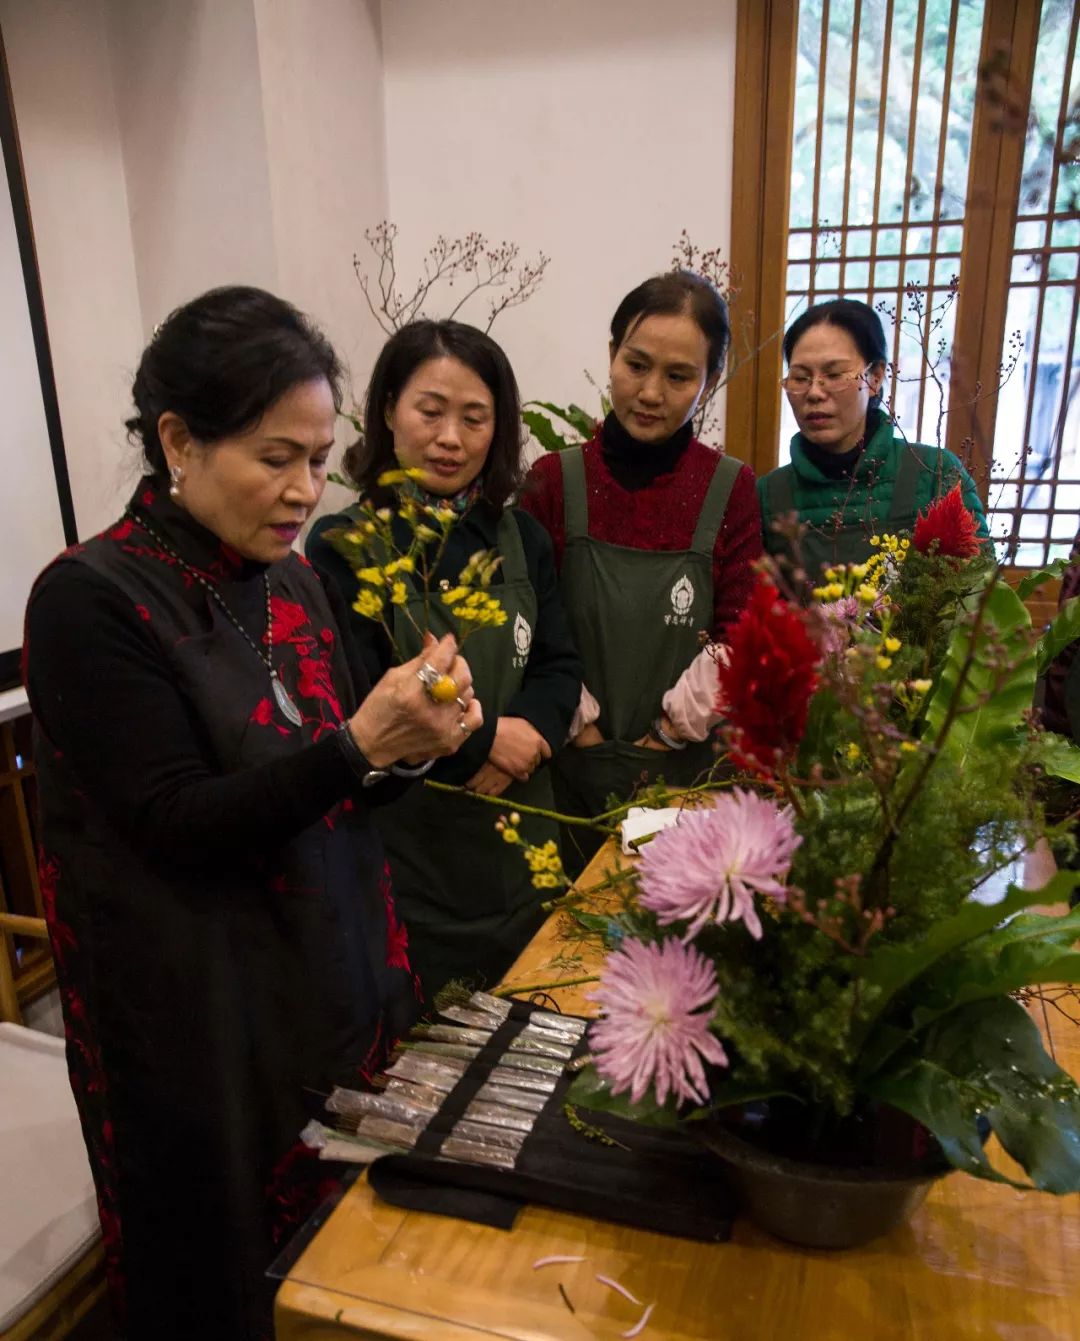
(402, 354)
(671, 295)
(220, 362)
(860, 321)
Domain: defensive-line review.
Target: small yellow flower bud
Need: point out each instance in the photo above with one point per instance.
(398, 594)
(866, 594)
(883, 663)
(908, 747)
(892, 644)
(921, 686)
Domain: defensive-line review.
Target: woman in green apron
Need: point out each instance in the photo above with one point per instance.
(850, 476)
(443, 399)
(655, 535)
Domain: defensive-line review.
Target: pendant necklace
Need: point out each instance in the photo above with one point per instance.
(281, 694)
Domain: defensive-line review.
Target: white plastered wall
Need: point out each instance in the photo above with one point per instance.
(594, 132)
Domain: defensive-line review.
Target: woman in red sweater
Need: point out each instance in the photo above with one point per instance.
(655, 536)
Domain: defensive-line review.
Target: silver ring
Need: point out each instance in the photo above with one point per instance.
(428, 675)
(462, 704)
(466, 729)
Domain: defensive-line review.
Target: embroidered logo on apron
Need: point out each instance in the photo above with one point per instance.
(682, 599)
(523, 635)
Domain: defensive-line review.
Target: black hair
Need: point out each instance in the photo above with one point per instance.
(860, 321)
(220, 362)
(402, 354)
(672, 294)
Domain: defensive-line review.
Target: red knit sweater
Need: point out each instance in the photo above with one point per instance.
(661, 516)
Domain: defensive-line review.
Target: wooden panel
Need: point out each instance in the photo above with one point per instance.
(993, 186)
(764, 94)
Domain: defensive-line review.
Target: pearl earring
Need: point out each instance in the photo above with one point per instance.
(176, 475)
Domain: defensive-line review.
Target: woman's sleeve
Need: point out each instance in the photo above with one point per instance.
(542, 498)
(104, 695)
(738, 548)
(551, 686)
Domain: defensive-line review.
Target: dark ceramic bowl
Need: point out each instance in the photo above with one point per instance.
(821, 1205)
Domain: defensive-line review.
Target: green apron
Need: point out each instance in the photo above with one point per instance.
(636, 615)
(824, 547)
(466, 896)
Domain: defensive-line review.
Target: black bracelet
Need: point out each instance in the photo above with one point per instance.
(358, 760)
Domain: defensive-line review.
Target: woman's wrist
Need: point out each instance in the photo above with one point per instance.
(663, 731)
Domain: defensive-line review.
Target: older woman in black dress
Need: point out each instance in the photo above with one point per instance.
(209, 749)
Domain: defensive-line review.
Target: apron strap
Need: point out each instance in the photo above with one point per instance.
(508, 539)
(575, 500)
(914, 460)
(779, 493)
(714, 507)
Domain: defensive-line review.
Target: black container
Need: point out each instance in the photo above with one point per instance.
(822, 1205)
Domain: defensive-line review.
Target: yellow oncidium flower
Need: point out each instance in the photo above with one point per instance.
(368, 604)
(891, 644)
(389, 477)
(858, 570)
(883, 663)
(866, 594)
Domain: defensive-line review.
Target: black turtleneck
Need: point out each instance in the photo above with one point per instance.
(635, 464)
(835, 465)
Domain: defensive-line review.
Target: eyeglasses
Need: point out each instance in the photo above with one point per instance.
(835, 383)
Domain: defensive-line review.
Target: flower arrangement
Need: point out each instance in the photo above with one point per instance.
(387, 544)
(814, 941)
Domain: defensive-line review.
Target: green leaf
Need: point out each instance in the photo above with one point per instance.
(589, 1091)
(545, 432)
(1033, 581)
(988, 1058)
(1064, 629)
(582, 420)
(1059, 756)
(1033, 948)
(824, 722)
(890, 968)
(999, 684)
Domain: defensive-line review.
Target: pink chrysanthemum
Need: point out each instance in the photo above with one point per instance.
(656, 1002)
(712, 863)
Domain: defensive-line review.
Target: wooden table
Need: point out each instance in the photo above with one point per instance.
(977, 1261)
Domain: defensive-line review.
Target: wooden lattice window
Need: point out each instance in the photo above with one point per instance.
(920, 155)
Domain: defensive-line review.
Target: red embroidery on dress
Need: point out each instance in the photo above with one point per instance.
(397, 934)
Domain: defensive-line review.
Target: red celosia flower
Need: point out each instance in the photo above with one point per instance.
(951, 524)
(768, 681)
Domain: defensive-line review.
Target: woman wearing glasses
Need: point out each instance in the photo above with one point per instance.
(850, 476)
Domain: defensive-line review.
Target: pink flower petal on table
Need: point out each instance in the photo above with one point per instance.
(640, 1324)
(614, 1285)
(554, 1261)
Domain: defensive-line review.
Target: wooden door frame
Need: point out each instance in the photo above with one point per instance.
(765, 51)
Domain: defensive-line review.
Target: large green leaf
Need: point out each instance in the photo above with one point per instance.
(588, 1090)
(1064, 629)
(545, 432)
(1031, 949)
(992, 695)
(1033, 581)
(1059, 756)
(890, 968)
(581, 421)
(987, 1058)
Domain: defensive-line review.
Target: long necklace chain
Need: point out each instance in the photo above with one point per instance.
(281, 694)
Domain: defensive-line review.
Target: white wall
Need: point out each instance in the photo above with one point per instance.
(189, 104)
(62, 87)
(594, 132)
(175, 144)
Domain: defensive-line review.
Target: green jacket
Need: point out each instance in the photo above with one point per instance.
(892, 483)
